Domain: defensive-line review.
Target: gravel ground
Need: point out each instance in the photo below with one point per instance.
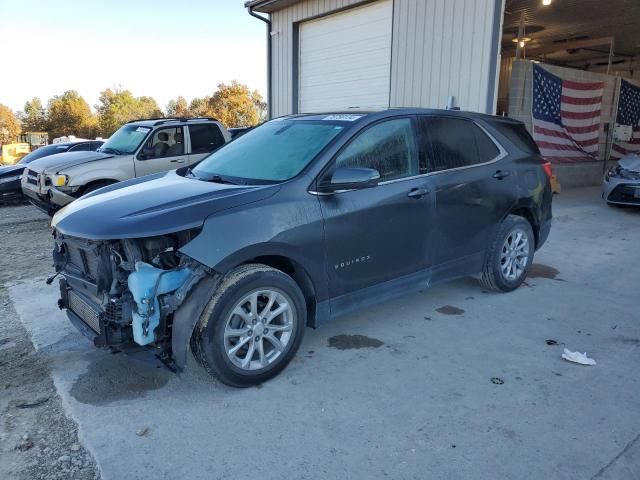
(37, 439)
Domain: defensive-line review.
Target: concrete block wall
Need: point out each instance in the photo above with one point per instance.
(520, 99)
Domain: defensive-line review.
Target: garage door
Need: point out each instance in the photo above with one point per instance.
(345, 60)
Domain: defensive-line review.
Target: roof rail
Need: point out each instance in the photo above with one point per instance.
(160, 121)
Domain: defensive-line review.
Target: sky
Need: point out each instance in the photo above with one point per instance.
(157, 48)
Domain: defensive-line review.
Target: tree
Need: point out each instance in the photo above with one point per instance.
(178, 108)
(148, 108)
(199, 107)
(236, 106)
(9, 125)
(34, 116)
(69, 114)
(118, 107)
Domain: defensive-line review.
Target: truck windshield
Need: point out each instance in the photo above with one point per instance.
(126, 140)
(273, 152)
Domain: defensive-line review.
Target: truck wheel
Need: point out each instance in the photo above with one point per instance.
(95, 186)
(510, 255)
(252, 326)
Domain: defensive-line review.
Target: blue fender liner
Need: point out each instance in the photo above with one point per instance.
(146, 284)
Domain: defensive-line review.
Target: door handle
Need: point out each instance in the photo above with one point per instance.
(418, 192)
(177, 160)
(500, 174)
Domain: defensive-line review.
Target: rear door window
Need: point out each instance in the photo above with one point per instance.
(205, 138)
(447, 143)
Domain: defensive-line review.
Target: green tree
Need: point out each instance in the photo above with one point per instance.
(118, 107)
(178, 108)
(69, 114)
(9, 125)
(236, 106)
(148, 108)
(34, 116)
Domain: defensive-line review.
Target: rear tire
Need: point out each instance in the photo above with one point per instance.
(252, 326)
(509, 256)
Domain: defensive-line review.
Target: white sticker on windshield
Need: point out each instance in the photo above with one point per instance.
(345, 117)
(142, 129)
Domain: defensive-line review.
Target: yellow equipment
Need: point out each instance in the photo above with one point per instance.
(13, 152)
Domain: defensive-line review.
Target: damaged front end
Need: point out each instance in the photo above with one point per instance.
(123, 293)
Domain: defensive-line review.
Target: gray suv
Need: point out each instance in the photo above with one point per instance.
(140, 147)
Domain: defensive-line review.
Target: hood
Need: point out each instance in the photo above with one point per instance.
(59, 161)
(11, 170)
(153, 205)
(631, 162)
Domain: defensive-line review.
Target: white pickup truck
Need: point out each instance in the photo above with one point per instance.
(138, 148)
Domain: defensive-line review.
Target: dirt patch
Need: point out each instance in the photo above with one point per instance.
(450, 310)
(117, 378)
(37, 440)
(539, 270)
(350, 342)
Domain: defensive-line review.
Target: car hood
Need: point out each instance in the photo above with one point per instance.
(631, 162)
(59, 161)
(154, 205)
(11, 170)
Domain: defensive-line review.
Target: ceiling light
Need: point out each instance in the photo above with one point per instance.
(546, 3)
(521, 41)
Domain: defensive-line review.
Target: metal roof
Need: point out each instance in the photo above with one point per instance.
(575, 32)
(268, 6)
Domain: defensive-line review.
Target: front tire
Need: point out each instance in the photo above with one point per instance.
(251, 327)
(510, 255)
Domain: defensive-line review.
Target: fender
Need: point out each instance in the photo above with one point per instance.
(80, 177)
(287, 228)
(188, 315)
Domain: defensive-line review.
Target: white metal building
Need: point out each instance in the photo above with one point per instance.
(353, 54)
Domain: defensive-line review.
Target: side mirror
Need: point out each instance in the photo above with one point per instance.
(347, 178)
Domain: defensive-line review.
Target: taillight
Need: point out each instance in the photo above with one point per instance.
(546, 166)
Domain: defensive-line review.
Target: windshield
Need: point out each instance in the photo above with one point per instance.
(126, 140)
(273, 152)
(44, 152)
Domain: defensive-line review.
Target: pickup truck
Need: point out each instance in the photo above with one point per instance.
(138, 148)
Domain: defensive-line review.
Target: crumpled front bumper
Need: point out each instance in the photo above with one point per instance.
(48, 199)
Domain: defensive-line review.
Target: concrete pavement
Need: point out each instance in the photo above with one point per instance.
(421, 405)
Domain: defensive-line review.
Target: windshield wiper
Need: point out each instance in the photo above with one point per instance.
(112, 150)
(219, 179)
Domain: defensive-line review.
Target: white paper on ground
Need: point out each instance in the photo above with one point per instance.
(578, 357)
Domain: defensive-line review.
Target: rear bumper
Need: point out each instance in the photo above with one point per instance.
(545, 229)
(10, 191)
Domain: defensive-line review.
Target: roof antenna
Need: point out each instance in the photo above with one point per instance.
(451, 103)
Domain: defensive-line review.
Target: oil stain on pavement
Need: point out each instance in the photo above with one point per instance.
(350, 342)
(539, 270)
(117, 378)
(450, 310)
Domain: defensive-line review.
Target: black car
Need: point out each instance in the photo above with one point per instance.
(301, 220)
(10, 189)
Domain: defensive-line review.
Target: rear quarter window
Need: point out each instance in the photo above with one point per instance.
(517, 134)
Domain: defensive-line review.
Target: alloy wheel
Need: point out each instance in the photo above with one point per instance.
(259, 328)
(514, 255)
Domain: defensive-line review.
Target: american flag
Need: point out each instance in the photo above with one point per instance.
(628, 114)
(566, 117)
